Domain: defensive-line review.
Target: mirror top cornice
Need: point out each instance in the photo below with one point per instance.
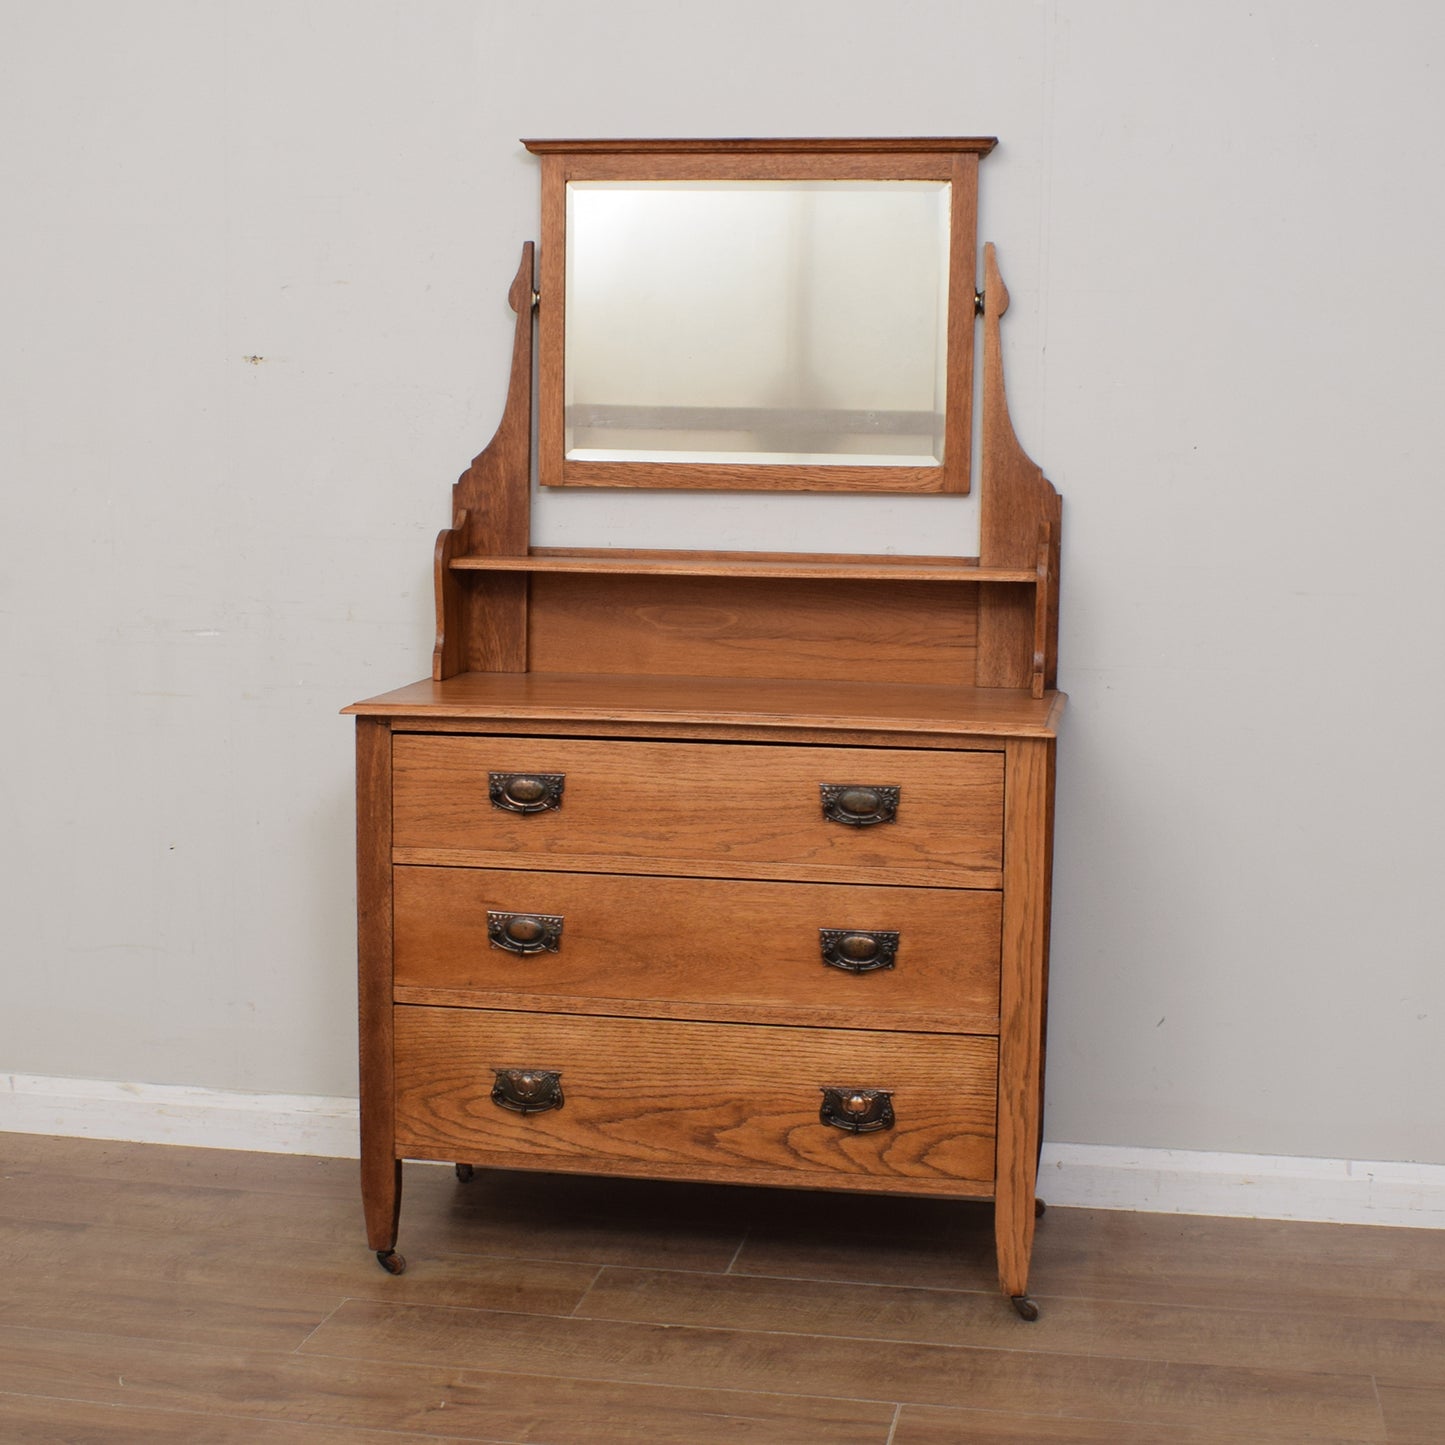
(786, 145)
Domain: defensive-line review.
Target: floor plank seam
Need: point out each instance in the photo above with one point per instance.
(575, 1311)
(1380, 1406)
(737, 1253)
(1122, 1301)
(893, 1424)
(747, 1391)
(297, 1348)
(984, 1292)
(958, 1349)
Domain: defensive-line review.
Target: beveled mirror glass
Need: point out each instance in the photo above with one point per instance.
(767, 322)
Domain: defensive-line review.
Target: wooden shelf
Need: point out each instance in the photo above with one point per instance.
(703, 564)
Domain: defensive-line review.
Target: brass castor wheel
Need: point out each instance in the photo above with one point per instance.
(465, 1173)
(391, 1261)
(1028, 1309)
(1039, 1208)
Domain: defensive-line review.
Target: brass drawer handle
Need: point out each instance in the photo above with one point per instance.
(525, 932)
(859, 1111)
(526, 792)
(860, 804)
(858, 950)
(528, 1091)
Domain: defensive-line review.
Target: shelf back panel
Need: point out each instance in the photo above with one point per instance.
(908, 632)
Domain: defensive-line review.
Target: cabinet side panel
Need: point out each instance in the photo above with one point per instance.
(380, 1169)
(919, 632)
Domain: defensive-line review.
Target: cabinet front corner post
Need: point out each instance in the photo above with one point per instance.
(1028, 792)
(380, 1168)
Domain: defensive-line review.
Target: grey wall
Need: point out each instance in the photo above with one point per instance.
(256, 325)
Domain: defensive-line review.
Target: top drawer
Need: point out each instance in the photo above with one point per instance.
(720, 809)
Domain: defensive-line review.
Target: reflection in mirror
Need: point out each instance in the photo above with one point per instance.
(757, 321)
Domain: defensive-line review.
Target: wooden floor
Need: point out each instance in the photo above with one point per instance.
(156, 1294)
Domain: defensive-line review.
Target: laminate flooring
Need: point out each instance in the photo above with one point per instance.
(159, 1294)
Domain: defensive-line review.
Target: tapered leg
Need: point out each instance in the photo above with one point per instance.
(381, 1200)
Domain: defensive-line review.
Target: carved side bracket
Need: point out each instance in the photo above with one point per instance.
(1021, 516)
(482, 619)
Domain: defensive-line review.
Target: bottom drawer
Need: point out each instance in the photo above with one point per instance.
(667, 1099)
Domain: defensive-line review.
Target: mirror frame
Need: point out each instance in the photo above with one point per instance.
(953, 160)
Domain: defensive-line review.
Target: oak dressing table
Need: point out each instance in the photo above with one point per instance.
(715, 865)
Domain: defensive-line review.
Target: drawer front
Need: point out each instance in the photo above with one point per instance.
(702, 947)
(666, 1099)
(701, 808)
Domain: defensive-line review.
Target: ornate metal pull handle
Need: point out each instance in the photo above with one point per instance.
(857, 950)
(860, 804)
(528, 1091)
(859, 1111)
(525, 932)
(526, 792)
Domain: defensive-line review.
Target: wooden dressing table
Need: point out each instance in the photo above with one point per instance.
(722, 866)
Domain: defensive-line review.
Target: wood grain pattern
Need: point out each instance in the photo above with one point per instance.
(756, 477)
(552, 322)
(696, 732)
(1098, 1388)
(380, 1168)
(695, 559)
(201, 1281)
(961, 321)
(155, 1292)
(151, 1289)
(449, 651)
(834, 631)
(903, 875)
(33, 1420)
(932, 1425)
(655, 807)
(922, 164)
(701, 1101)
(483, 624)
(707, 564)
(889, 711)
(1027, 848)
(1221, 1335)
(1414, 1415)
(71, 1375)
(699, 948)
(1018, 507)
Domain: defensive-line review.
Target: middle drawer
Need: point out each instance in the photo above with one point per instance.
(702, 948)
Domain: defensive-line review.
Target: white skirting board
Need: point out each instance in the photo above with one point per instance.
(1092, 1176)
(178, 1114)
(1250, 1186)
